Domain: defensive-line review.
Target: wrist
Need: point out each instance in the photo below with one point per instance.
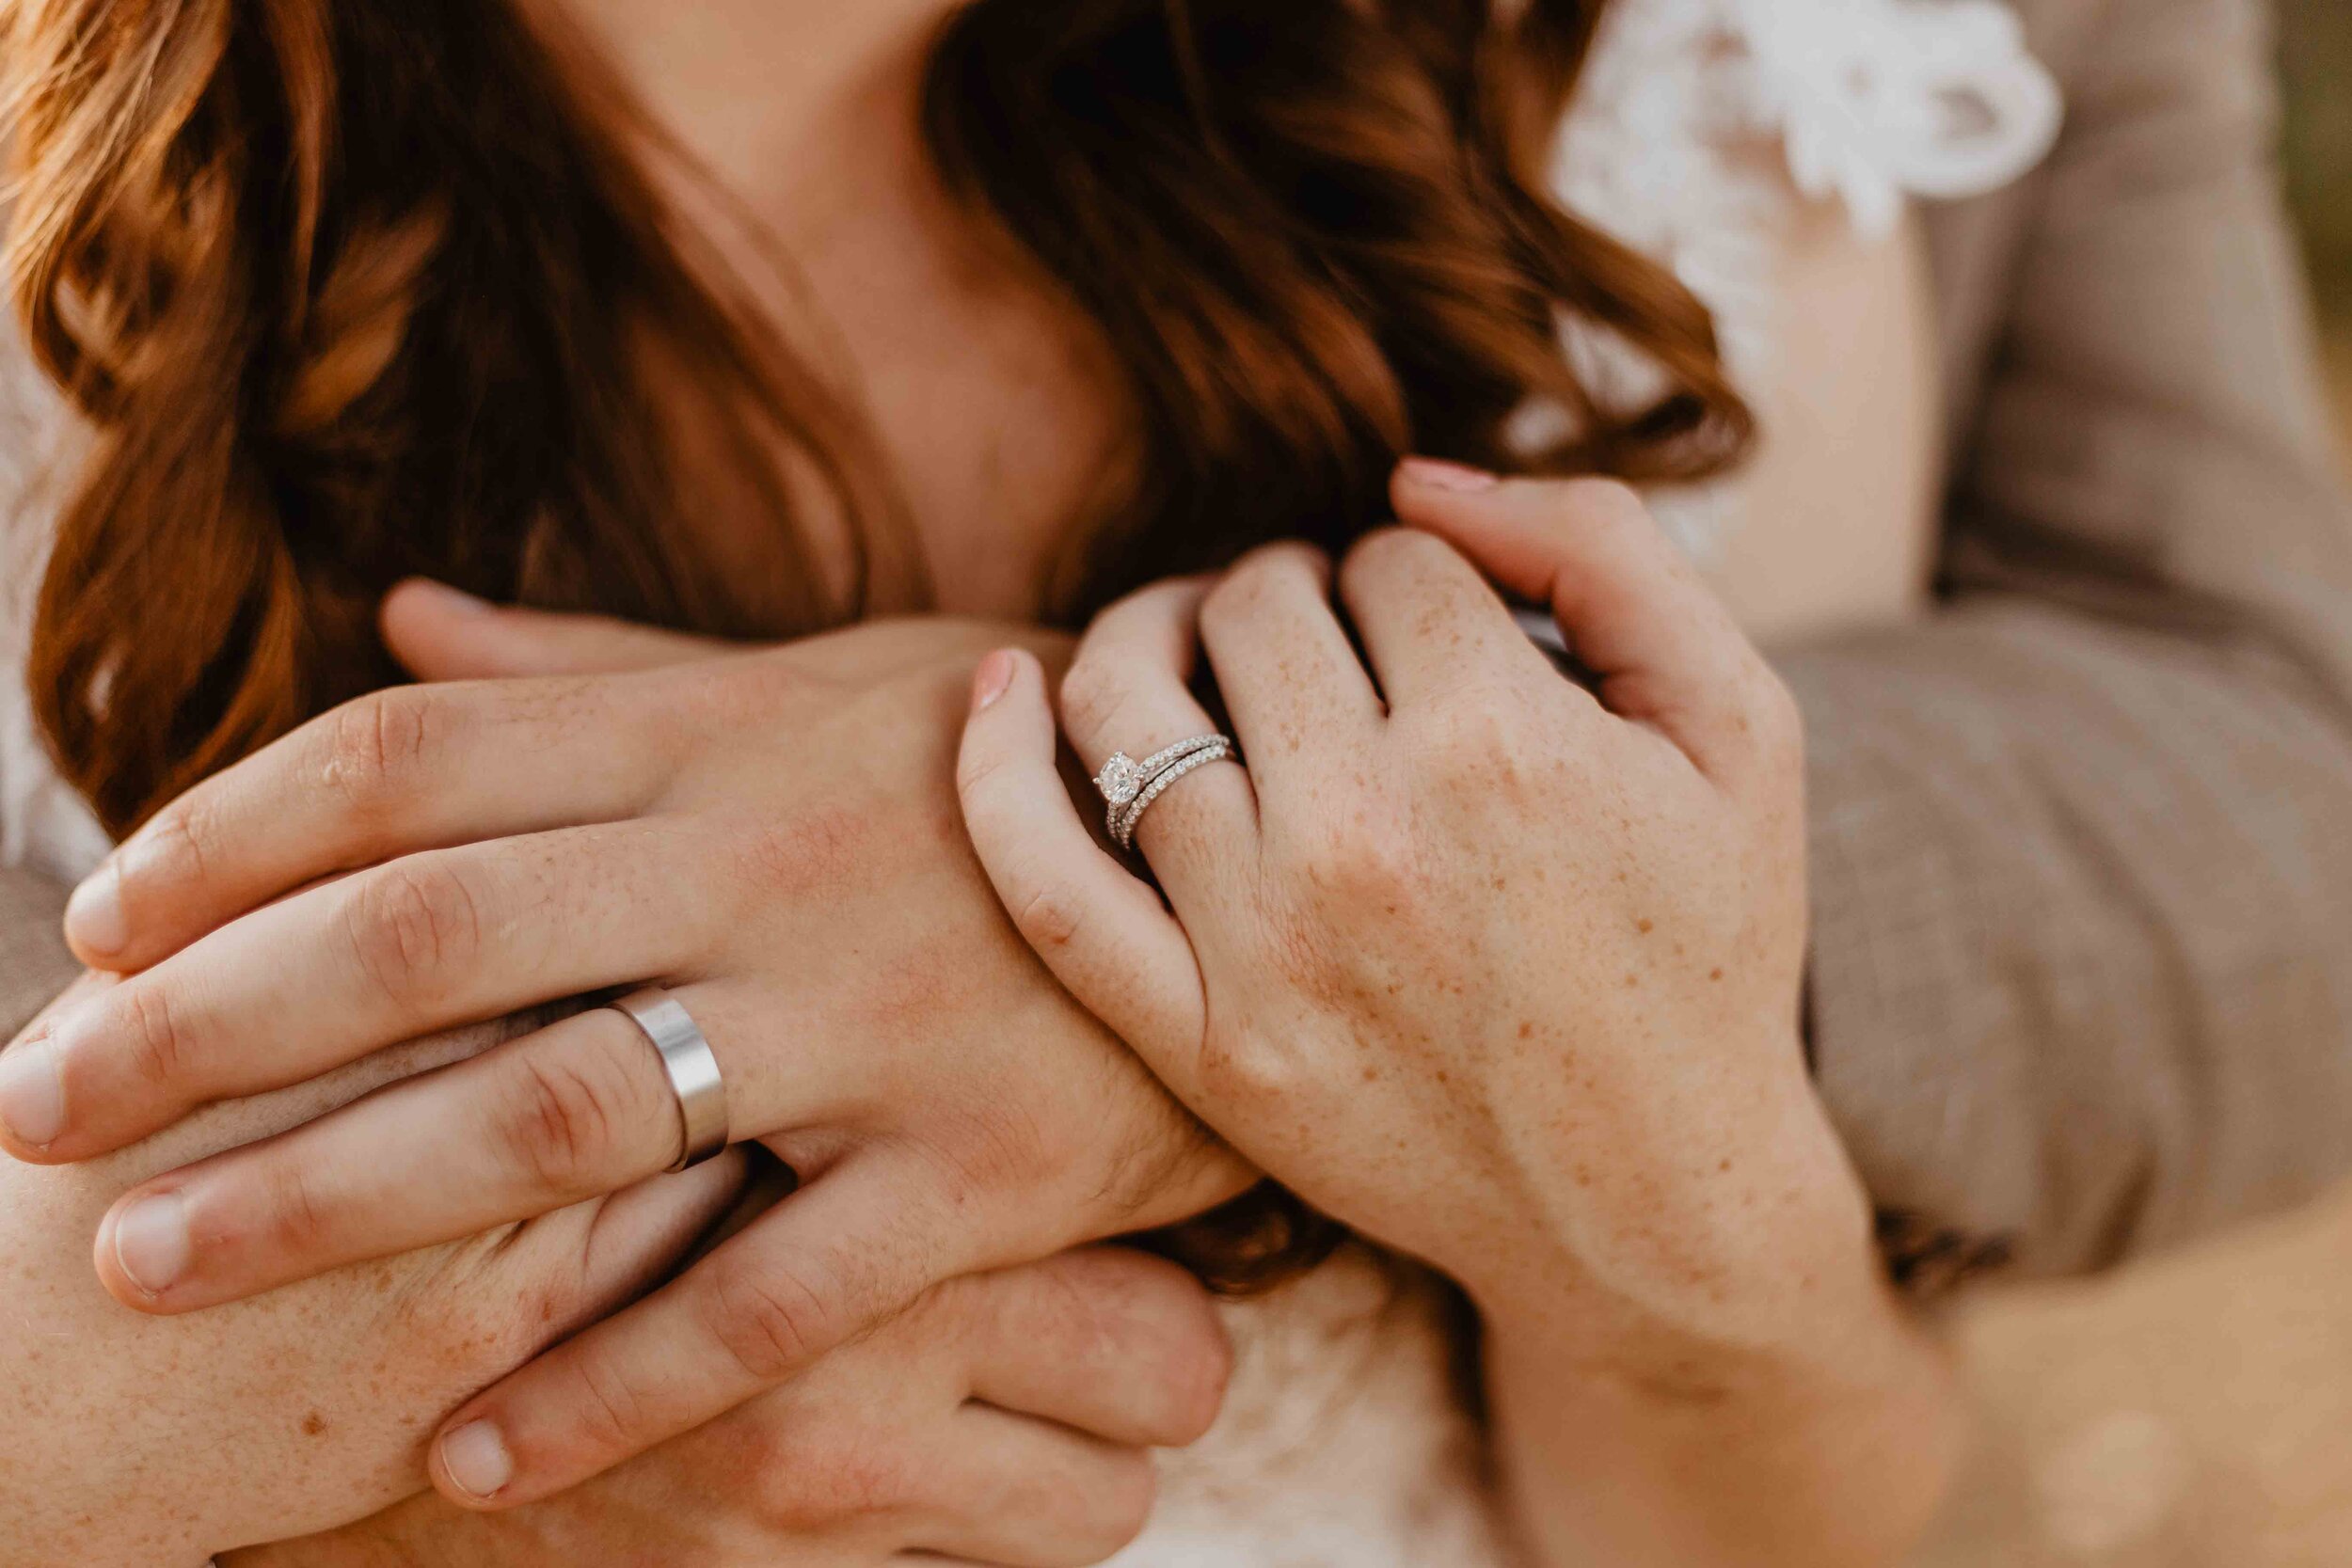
(1748, 1231)
(1771, 1353)
(1810, 1457)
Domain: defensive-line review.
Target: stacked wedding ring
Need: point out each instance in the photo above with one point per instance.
(1130, 786)
(692, 1069)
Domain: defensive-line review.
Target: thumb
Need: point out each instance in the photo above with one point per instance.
(440, 634)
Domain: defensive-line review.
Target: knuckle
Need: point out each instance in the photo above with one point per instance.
(1366, 863)
(562, 1115)
(298, 1223)
(820, 1483)
(1199, 1370)
(179, 845)
(1049, 919)
(1154, 1316)
(375, 745)
(978, 772)
(1611, 500)
(768, 1320)
(1240, 1070)
(1390, 551)
(163, 1049)
(1093, 695)
(609, 1413)
(822, 849)
(732, 692)
(1475, 746)
(1119, 1503)
(1244, 593)
(413, 927)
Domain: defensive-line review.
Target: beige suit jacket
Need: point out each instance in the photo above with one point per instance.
(2083, 962)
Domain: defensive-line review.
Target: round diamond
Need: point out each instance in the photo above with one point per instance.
(1121, 779)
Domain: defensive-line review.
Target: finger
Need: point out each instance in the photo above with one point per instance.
(610, 1251)
(1100, 929)
(440, 634)
(1633, 610)
(390, 774)
(1431, 626)
(1026, 1494)
(1115, 1344)
(576, 1111)
(1285, 668)
(1129, 690)
(830, 1262)
(324, 978)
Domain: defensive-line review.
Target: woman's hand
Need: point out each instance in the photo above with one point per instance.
(1501, 971)
(1003, 1420)
(773, 835)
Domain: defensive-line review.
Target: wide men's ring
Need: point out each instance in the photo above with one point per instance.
(1130, 786)
(692, 1069)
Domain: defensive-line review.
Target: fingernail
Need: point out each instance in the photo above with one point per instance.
(476, 1459)
(1432, 474)
(32, 1092)
(94, 921)
(456, 600)
(994, 680)
(152, 1244)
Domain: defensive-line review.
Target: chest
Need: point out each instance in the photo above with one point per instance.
(1001, 412)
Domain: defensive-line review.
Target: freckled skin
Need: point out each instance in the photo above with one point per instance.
(1547, 952)
(151, 1443)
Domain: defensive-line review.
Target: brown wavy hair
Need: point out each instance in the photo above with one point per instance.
(347, 290)
(350, 290)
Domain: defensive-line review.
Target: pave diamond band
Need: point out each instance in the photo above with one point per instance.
(1129, 787)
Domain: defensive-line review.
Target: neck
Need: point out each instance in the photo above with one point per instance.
(762, 92)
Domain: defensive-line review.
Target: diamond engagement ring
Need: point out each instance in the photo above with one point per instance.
(1129, 786)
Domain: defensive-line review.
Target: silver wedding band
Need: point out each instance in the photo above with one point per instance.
(1129, 787)
(693, 1070)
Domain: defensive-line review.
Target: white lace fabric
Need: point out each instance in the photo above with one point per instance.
(1699, 124)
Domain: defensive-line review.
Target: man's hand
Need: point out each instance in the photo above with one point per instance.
(772, 834)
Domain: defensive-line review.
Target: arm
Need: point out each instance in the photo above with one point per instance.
(2082, 873)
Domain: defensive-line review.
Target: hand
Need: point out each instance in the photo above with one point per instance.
(772, 834)
(1001, 1420)
(133, 1442)
(1505, 973)
(1501, 972)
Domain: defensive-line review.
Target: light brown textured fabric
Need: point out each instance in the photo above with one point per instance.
(2082, 842)
(34, 963)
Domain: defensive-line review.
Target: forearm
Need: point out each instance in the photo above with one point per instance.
(1827, 1449)
(1729, 1384)
(2083, 903)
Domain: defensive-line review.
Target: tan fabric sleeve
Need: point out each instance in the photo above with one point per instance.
(35, 967)
(2083, 970)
